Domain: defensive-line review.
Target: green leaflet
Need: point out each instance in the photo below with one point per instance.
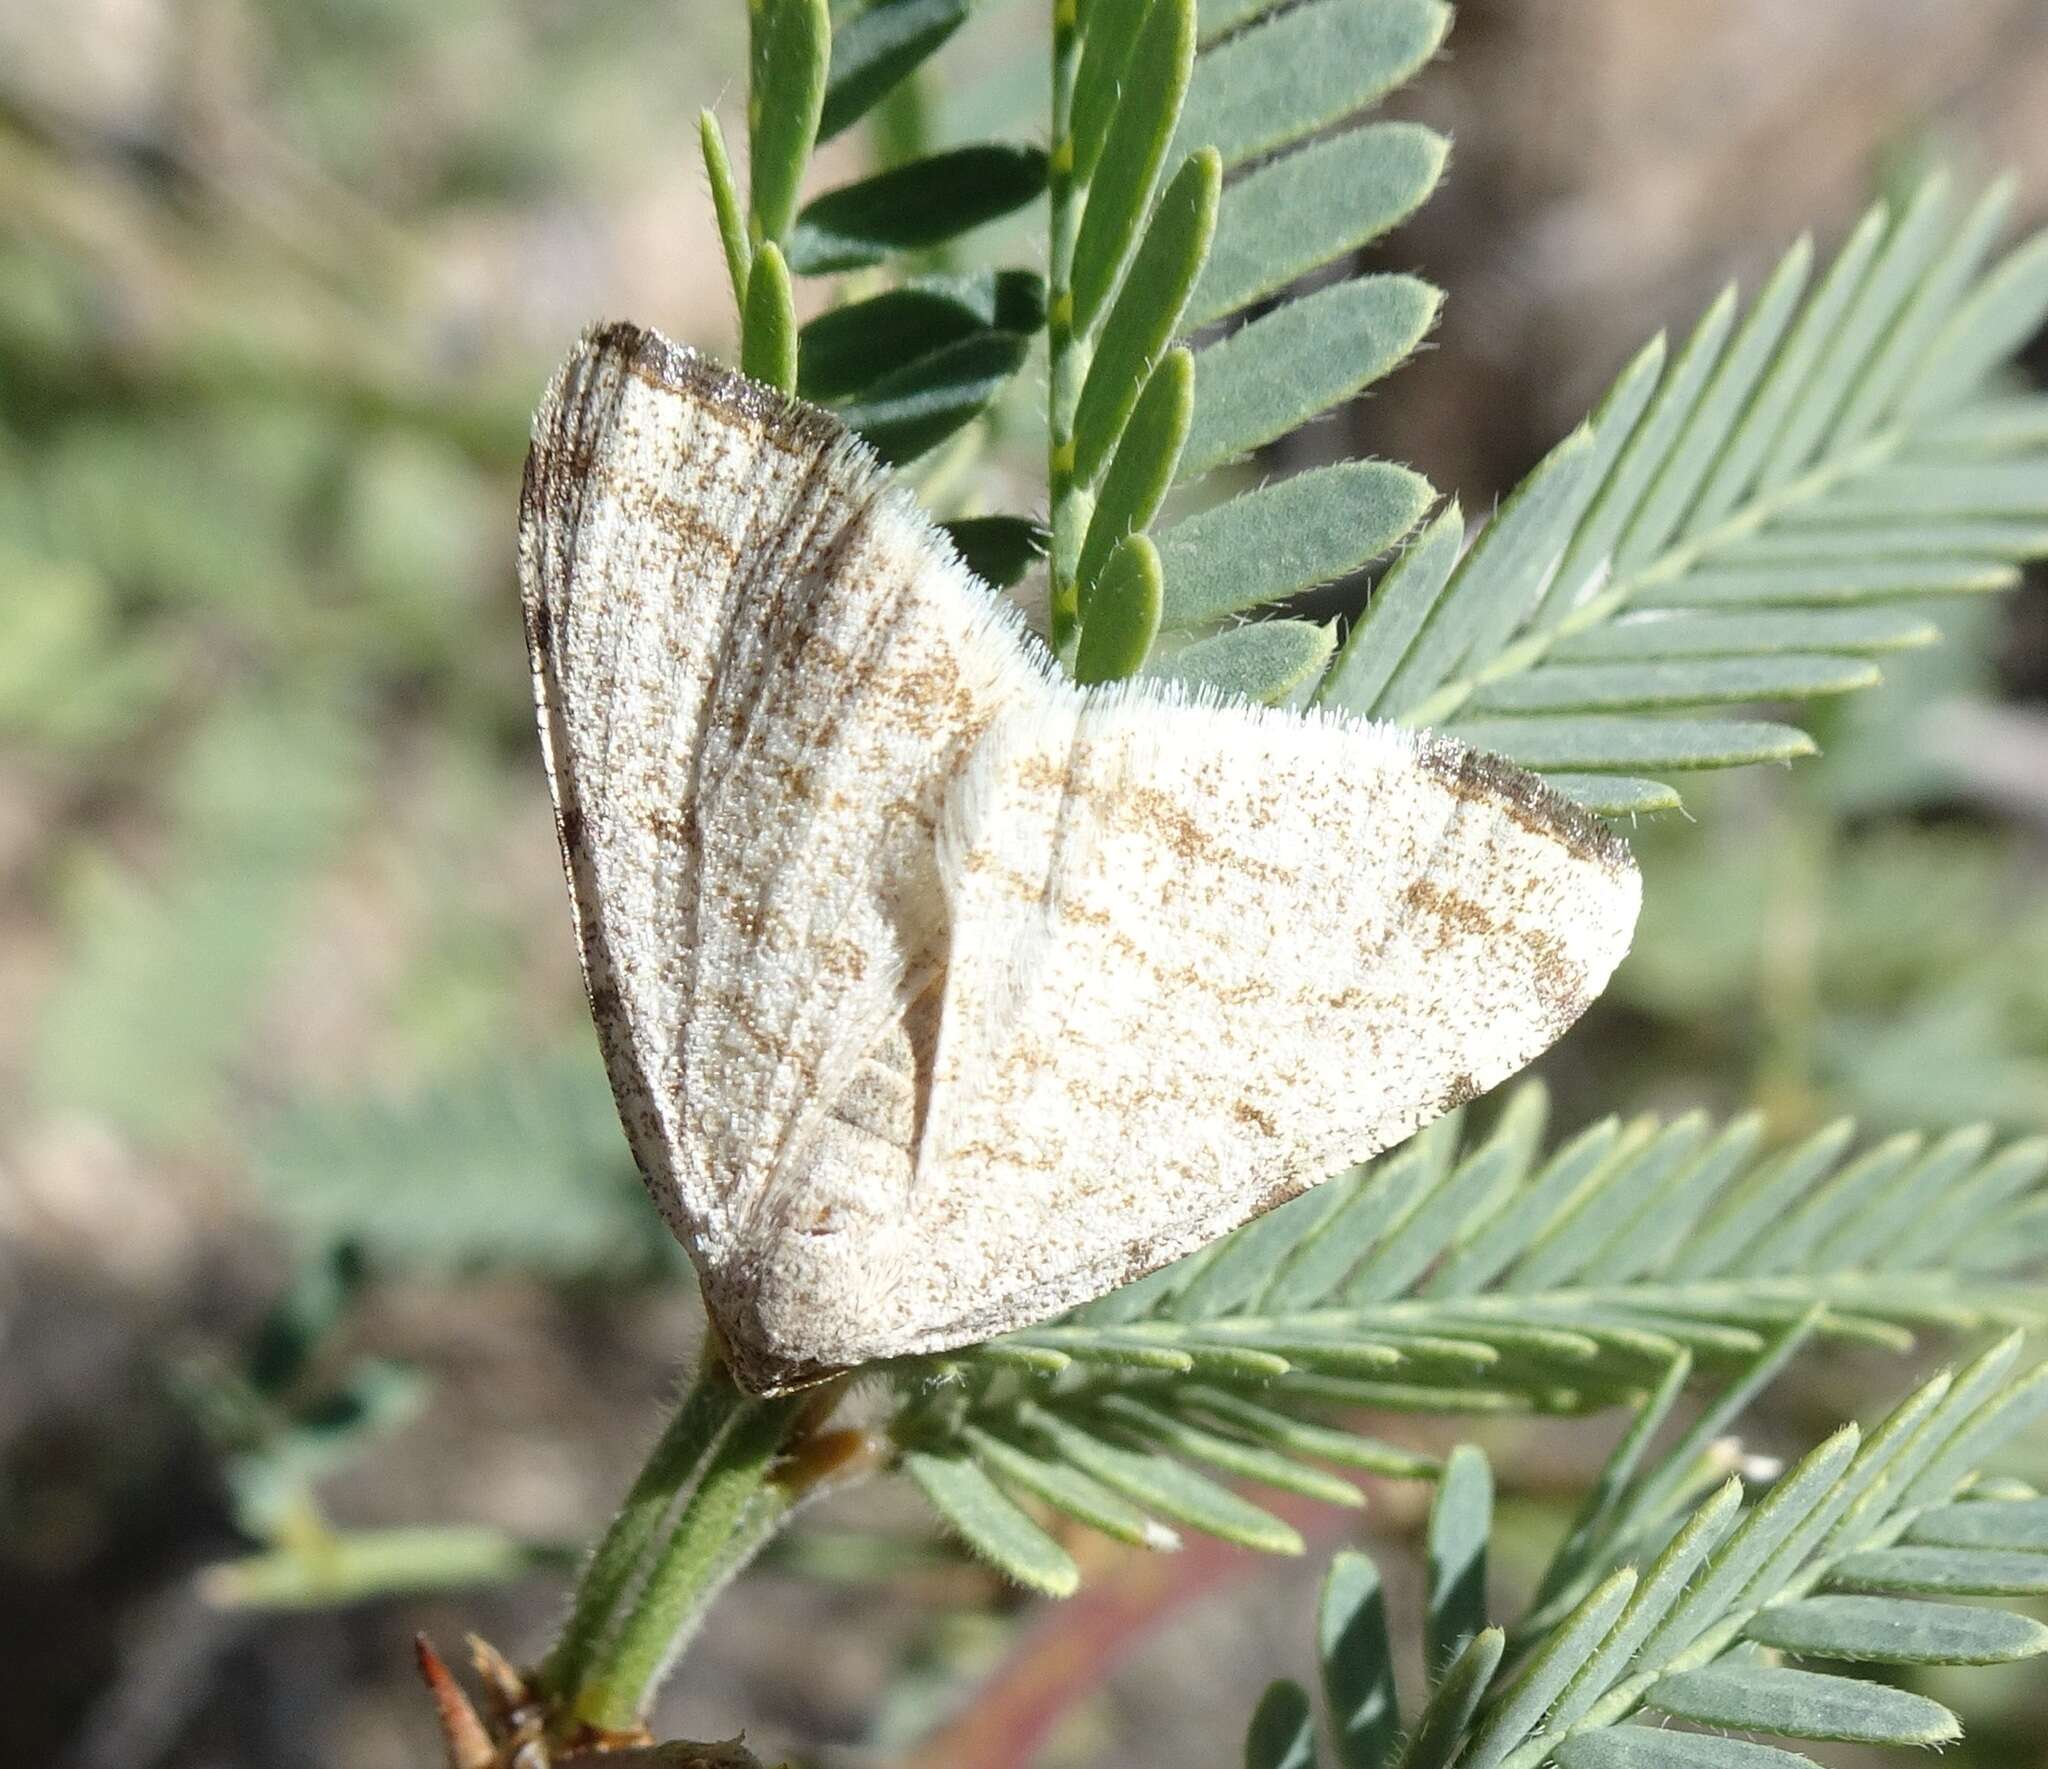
(997, 549)
(1747, 635)
(1460, 1525)
(1399, 607)
(910, 208)
(914, 408)
(1809, 536)
(2012, 1523)
(1141, 470)
(1453, 1702)
(1620, 743)
(1263, 662)
(1358, 1663)
(1283, 1732)
(1121, 616)
(1604, 687)
(1653, 1747)
(1133, 151)
(1898, 1631)
(726, 207)
(1300, 360)
(1803, 1704)
(768, 333)
(1307, 68)
(849, 348)
(1819, 586)
(1112, 29)
(1311, 208)
(790, 46)
(990, 1524)
(1265, 545)
(1613, 795)
(1146, 313)
(878, 47)
(1947, 1571)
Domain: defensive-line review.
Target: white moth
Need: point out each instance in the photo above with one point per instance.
(940, 995)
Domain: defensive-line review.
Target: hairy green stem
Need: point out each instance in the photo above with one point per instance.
(1066, 360)
(729, 1514)
(699, 1425)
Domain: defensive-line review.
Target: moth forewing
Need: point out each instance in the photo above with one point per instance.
(937, 994)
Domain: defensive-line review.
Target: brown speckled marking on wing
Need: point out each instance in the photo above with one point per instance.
(937, 995)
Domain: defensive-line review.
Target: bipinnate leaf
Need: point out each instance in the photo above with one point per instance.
(1743, 522)
(1491, 1276)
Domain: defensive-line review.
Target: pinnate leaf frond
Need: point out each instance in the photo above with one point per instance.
(1269, 194)
(1476, 1275)
(1750, 521)
(1826, 1567)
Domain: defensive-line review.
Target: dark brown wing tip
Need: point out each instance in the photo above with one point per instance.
(678, 369)
(1472, 772)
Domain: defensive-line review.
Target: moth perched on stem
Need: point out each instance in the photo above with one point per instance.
(939, 994)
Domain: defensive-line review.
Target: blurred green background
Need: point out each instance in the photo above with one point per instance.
(283, 950)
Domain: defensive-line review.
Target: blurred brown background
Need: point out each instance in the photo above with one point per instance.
(283, 949)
